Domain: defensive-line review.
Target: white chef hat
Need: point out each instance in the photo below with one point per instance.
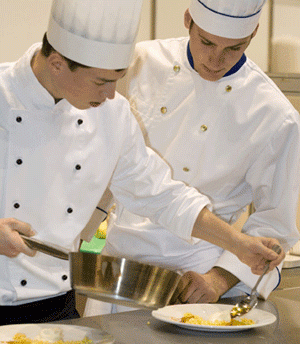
(95, 33)
(227, 18)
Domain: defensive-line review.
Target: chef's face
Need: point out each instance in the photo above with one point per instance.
(86, 87)
(214, 56)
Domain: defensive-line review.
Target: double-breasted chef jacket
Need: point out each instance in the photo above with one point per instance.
(56, 162)
(236, 140)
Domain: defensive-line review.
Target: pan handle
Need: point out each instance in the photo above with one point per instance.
(51, 250)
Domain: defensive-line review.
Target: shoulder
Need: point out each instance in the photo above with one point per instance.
(116, 110)
(6, 71)
(6, 80)
(154, 61)
(263, 92)
(4, 66)
(115, 115)
(259, 80)
(160, 51)
(163, 44)
(119, 102)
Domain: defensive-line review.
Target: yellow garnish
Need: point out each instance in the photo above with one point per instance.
(101, 231)
(189, 318)
(21, 338)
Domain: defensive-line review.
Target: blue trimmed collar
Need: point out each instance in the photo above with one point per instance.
(233, 70)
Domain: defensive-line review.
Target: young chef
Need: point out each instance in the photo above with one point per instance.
(65, 135)
(227, 130)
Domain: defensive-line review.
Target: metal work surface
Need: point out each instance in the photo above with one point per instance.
(139, 326)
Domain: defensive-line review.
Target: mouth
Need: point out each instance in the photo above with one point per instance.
(95, 104)
(213, 71)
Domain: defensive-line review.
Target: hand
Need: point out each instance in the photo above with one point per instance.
(11, 244)
(207, 288)
(256, 251)
(252, 251)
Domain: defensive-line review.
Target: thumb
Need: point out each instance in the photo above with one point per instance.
(272, 250)
(271, 255)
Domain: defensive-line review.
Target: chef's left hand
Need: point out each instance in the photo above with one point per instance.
(203, 288)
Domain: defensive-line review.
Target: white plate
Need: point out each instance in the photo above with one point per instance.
(70, 332)
(168, 313)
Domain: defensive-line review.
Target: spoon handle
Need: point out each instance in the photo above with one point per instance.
(275, 248)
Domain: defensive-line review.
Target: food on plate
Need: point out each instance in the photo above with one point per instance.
(50, 334)
(216, 319)
(46, 336)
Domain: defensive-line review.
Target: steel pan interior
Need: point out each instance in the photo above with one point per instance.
(122, 281)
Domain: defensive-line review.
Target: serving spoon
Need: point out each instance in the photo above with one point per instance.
(248, 303)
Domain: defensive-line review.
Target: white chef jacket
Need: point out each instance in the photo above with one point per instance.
(236, 140)
(56, 162)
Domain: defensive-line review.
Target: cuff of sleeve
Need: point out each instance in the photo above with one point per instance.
(231, 263)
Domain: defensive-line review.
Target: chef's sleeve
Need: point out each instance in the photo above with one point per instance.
(274, 179)
(142, 183)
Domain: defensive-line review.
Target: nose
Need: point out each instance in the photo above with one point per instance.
(216, 58)
(110, 90)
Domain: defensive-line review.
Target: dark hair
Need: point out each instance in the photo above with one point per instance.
(47, 49)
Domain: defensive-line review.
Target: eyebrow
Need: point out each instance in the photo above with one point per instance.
(111, 80)
(232, 46)
(106, 80)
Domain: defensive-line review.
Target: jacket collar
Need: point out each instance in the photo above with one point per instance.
(30, 91)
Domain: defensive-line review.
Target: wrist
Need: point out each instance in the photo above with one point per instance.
(237, 242)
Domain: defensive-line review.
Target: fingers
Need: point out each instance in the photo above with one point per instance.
(277, 253)
(175, 297)
(19, 226)
(26, 250)
(277, 261)
(266, 254)
(257, 251)
(258, 269)
(11, 244)
(268, 251)
(18, 246)
(196, 296)
(193, 288)
(187, 289)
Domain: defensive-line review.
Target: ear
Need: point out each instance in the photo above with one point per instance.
(56, 63)
(187, 19)
(254, 32)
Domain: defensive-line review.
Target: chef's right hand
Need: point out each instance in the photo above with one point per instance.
(256, 251)
(11, 244)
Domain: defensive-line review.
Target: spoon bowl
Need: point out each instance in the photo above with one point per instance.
(244, 306)
(249, 302)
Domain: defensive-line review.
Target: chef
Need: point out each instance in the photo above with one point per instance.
(224, 128)
(65, 136)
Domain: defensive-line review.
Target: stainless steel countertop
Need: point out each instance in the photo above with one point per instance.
(139, 327)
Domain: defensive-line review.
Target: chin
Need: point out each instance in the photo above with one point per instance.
(210, 77)
(81, 106)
